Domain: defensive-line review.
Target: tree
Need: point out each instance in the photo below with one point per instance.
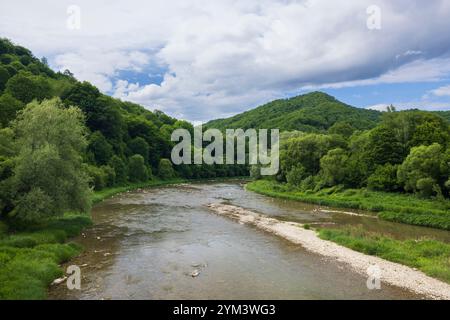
(421, 169)
(384, 147)
(101, 150)
(9, 106)
(4, 77)
(165, 169)
(25, 87)
(342, 128)
(49, 178)
(333, 166)
(137, 169)
(120, 170)
(384, 178)
(138, 145)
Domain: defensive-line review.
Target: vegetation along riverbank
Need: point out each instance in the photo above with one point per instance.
(397, 207)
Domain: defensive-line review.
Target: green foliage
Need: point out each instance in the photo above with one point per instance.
(120, 169)
(165, 169)
(430, 256)
(384, 178)
(342, 128)
(9, 106)
(296, 175)
(29, 260)
(100, 148)
(26, 87)
(137, 170)
(396, 207)
(138, 145)
(333, 166)
(51, 140)
(4, 77)
(420, 172)
(312, 112)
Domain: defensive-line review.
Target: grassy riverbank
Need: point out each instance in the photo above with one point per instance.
(396, 207)
(430, 256)
(30, 259)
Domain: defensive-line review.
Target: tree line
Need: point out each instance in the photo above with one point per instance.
(408, 151)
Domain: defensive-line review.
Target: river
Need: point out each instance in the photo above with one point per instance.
(147, 244)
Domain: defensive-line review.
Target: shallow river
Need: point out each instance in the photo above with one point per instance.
(146, 245)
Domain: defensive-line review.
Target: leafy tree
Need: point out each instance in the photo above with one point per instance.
(49, 166)
(384, 178)
(138, 145)
(120, 170)
(342, 128)
(165, 169)
(4, 77)
(307, 151)
(9, 106)
(26, 87)
(137, 169)
(101, 150)
(384, 147)
(423, 162)
(83, 95)
(333, 166)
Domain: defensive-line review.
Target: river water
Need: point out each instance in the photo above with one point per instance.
(146, 245)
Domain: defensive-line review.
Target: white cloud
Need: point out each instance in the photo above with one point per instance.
(220, 57)
(441, 91)
(422, 105)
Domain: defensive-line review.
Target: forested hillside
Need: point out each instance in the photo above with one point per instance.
(118, 142)
(313, 112)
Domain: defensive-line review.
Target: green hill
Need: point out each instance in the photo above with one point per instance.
(311, 112)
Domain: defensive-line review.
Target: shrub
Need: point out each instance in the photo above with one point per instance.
(384, 178)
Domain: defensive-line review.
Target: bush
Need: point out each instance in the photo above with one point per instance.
(34, 206)
(98, 177)
(295, 175)
(384, 178)
(426, 187)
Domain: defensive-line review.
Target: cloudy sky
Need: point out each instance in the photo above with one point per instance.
(203, 59)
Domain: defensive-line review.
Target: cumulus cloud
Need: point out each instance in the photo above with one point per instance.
(222, 57)
(441, 91)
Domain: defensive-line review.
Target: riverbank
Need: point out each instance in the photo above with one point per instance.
(30, 259)
(395, 207)
(391, 273)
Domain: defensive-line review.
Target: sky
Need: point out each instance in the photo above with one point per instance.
(200, 59)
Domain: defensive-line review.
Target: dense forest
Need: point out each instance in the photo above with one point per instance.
(313, 112)
(55, 129)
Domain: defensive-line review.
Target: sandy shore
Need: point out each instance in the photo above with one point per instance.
(391, 273)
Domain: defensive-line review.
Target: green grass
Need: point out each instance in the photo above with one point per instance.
(430, 256)
(396, 207)
(29, 260)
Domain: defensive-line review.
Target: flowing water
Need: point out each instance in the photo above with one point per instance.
(147, 244)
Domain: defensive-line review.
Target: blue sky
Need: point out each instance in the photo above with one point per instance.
(199, 59)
